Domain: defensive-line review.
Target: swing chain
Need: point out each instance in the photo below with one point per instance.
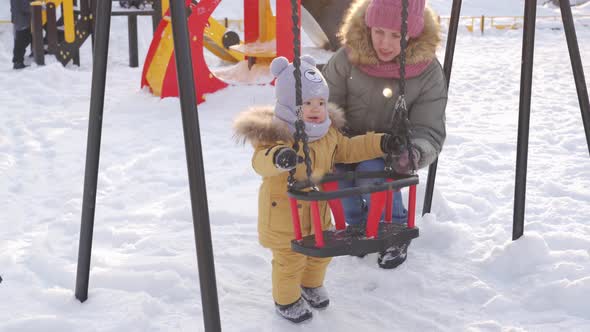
(404, 47)
(401, 126)
(299, 134)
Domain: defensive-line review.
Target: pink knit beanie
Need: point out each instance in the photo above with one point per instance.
(387, 14)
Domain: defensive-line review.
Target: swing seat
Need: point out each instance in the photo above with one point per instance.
(352, 241)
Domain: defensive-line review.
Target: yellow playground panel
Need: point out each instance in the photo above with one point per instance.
(68, 16)
(266, 26)
(265, 45)
(506, 22)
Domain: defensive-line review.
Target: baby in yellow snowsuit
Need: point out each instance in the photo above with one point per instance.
(297, 280)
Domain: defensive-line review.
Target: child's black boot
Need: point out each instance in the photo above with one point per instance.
(296, 312)
(316, 297)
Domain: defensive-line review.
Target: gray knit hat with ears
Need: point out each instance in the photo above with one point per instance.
(313, 85)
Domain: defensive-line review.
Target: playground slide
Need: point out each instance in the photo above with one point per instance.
(324, 15)
(314, 30)
(213, 41)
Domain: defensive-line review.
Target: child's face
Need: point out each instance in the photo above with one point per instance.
(314, 110)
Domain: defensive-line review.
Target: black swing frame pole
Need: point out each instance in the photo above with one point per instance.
(524, 115)
(577, 68)
(447, 67)
(196, 172)
(99, 73)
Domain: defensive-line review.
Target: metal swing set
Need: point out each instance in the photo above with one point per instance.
(375, 237)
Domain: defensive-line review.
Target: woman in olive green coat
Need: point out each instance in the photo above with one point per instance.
(363, 77)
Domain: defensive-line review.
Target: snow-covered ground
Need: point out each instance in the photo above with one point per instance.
(463, 273)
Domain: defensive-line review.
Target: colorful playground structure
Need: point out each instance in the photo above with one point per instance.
(265, 37)
(68, 23)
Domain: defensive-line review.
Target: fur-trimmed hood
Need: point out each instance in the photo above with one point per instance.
(256, 125)
(356, 37)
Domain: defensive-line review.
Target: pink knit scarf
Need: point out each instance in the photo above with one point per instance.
(391, 69)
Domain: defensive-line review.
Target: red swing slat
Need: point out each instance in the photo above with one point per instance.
(317, 224)
(335, 205)
(412, 206)
(295, 219)
(375, 211)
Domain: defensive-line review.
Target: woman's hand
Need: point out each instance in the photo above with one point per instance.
(402, 163)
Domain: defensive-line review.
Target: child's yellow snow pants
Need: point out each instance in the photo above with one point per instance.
(291, 270)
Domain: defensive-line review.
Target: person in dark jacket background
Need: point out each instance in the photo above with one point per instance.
(363, 76)
(20, 11)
